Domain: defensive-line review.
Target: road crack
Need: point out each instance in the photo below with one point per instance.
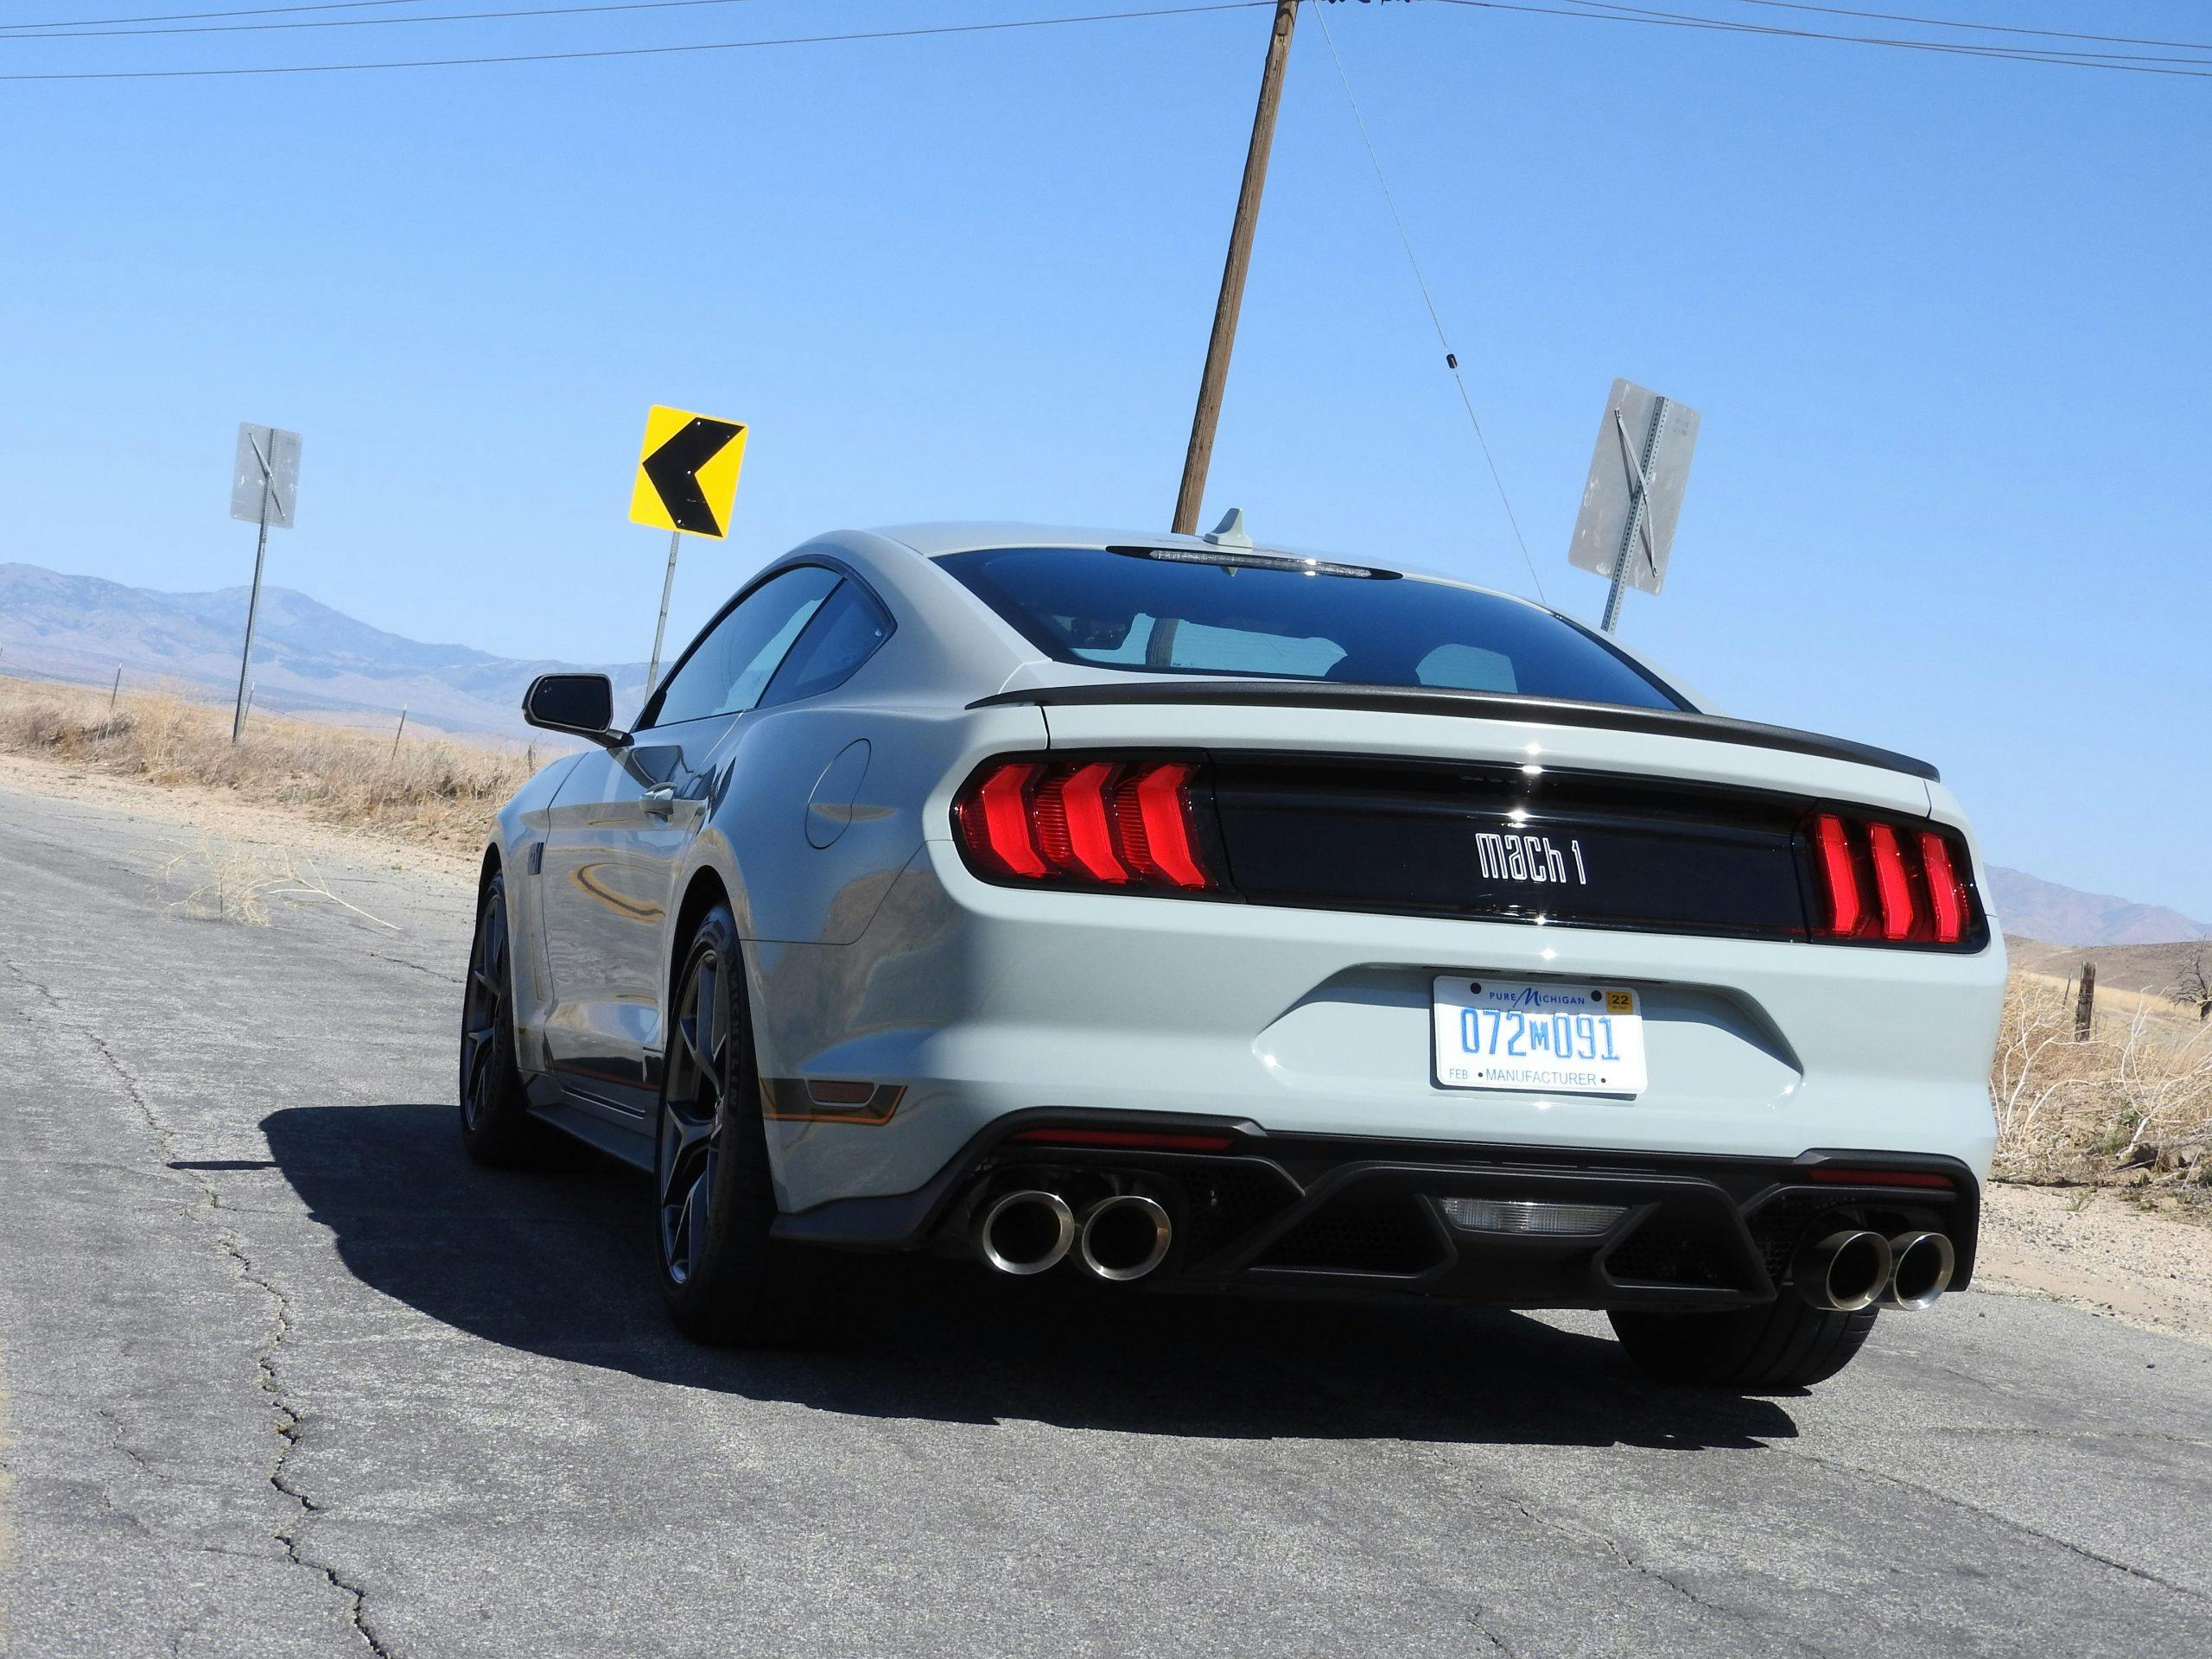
(289, 1421)
(2005, 1520)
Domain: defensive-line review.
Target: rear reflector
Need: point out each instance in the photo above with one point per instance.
(1836, 1177)
(1885, 883)
(1120, 822)
(1142, 1140)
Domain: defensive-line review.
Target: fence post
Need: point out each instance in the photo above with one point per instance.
(395, 737)
(2085, 1006)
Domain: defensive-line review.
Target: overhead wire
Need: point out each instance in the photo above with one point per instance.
(180, 17)
(1991, 29)
(912, 33)
(1436, 321)
(2045, 53)
(1582, 9)
(373, 22)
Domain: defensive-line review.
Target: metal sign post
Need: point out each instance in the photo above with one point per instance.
(1634, 493)
(264, 490)
(660, 628)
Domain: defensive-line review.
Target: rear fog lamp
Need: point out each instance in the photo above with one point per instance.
(1530, 1219)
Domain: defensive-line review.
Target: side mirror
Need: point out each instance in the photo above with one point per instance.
(580, 704)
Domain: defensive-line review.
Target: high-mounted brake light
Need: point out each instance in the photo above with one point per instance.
(1886, 883)
(1110, 821)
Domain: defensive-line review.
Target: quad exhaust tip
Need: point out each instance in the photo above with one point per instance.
(1922, 1270)
(1124, 1237)
(1845, 1271)
(1026, 1231)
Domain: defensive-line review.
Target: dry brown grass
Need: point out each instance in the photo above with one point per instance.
(433, 790)
(2132, 1103)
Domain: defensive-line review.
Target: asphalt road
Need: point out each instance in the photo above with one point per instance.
(280, 1374)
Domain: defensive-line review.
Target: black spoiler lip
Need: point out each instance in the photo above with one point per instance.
(1468, 705)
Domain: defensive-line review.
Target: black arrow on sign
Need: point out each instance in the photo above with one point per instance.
(674, 469)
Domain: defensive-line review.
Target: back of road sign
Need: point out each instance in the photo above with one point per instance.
(267, 462)
(1628, 446)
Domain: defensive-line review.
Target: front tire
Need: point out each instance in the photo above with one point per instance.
(496, 1125)
(726, 1280)
(1788, 1343)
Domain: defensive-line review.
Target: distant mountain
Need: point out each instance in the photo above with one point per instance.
(2037, 909)
(307, 657)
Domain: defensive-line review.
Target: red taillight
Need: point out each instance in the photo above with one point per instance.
(1163, 803)
(1090, 837)
(1884, 882)
(1946, 896)
(993, 814)
(1838, 875)
(1111, 821)
(1892, 887)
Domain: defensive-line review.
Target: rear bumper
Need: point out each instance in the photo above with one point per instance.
(980, 1003)
(1299, 1214)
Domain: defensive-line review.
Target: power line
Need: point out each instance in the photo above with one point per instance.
(1413, 259)
(1683, 20)
(371, 22)
(647, 50)
(1991, 28)
(2029, 53)
(180, 17)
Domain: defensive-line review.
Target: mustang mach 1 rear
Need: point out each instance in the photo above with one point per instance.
(1216, 919)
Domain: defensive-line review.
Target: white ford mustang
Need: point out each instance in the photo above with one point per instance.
(1168, 909)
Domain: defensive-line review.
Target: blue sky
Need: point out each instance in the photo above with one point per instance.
(1945, 319)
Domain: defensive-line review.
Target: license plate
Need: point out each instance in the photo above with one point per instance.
(1561, 1039)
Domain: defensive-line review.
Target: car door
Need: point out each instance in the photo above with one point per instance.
(619, 830)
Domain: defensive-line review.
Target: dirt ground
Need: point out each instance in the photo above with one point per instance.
(2098, 1251)
(2094, 1248)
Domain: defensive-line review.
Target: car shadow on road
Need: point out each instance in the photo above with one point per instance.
(561, 1265)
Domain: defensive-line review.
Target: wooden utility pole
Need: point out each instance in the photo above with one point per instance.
(1210, 383)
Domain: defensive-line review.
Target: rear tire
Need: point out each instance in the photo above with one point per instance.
(1789, 1344)
(496, 1125)
(726, 1280)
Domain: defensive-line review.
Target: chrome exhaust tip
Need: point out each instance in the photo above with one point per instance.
(1125, 1236)
(1843, 1271)
(1027, 1232)
(1922, 1270)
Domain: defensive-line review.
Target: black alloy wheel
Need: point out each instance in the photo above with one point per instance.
(496, 1126)
(727, 1280)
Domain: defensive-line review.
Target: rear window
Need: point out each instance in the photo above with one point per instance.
(1127, 610)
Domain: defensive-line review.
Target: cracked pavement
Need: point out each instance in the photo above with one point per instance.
(280, 1373)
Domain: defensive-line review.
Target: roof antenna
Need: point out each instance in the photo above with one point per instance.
(1231, 531)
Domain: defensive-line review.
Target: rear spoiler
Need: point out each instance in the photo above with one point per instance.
(1466, 705)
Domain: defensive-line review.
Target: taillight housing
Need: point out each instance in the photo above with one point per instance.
(1879, 881)
(1111, 822)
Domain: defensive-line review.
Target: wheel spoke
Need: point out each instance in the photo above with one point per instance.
(691, 1118)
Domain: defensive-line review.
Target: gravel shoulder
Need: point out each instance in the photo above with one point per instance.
(222, 817)
(2091, 1247)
